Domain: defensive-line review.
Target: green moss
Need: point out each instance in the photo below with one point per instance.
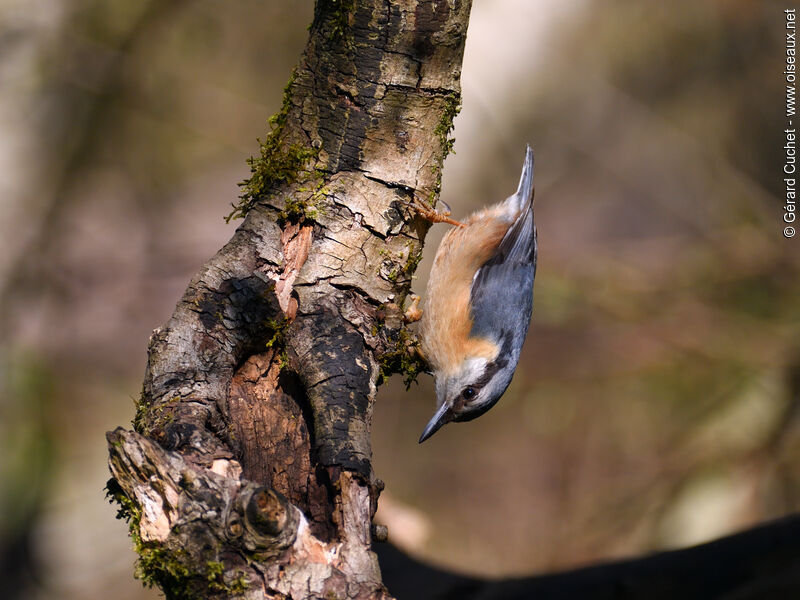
(339, 18)
(414, 256)
(149, 417)
(403, 359)
(215, 576)
(214, 570)
(127, 509)
(279, 162)
(156, 565)
(306, 209)
(297, 210)
(163, 414)
(452, 106)
(276, 332)
(159, 567)
(276, 338)
(239, 585)
(169, 570)
(141, 412)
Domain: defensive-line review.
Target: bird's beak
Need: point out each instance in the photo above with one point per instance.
(441, 417)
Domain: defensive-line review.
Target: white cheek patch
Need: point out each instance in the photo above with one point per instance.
(473, 369)
(449, 389)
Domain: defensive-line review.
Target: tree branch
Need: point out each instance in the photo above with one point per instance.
(251, 469)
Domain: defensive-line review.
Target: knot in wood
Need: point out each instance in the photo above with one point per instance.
(267, 512)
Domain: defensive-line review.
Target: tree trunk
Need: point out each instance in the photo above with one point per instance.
(249, 472)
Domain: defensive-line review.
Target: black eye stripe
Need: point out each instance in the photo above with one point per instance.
(466, 397)
(489, 372)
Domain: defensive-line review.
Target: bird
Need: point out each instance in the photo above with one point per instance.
(478, 304)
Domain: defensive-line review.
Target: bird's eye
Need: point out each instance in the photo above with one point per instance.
(468, 393)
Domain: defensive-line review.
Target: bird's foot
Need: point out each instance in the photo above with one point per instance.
(431, 214)
(413, 313)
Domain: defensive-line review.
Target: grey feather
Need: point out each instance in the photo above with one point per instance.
(502, 303)
(502, 290)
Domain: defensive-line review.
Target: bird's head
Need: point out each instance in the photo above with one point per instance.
(469, 390)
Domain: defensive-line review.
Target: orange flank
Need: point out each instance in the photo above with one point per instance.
(446, 320)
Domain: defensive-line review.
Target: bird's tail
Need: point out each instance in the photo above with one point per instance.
(523, 197)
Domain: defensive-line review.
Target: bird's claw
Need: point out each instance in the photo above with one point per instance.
(431, 214)
(413, 313)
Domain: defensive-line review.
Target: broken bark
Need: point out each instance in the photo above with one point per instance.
(249, 472)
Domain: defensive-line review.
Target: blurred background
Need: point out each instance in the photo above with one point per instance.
(655, 405)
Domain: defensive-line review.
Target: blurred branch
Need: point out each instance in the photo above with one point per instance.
(84, 134)
(758, 563)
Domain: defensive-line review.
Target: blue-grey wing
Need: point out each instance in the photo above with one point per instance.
(502, 291)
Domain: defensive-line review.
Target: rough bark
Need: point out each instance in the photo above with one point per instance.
(249, 472)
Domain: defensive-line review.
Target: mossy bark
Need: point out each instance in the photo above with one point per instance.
(249, 472)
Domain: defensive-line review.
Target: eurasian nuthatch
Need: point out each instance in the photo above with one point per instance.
(478, 305)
